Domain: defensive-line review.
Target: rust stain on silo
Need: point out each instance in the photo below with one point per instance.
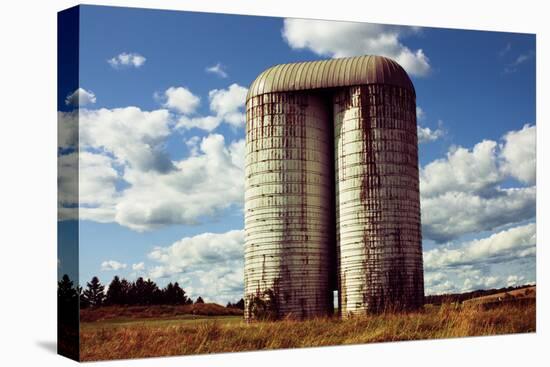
(332, 189)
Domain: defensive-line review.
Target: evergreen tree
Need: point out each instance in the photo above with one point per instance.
(199, 300)
(239, 304)
(150, 292)
(137, 293)
(114, 293)
(168, 293)
(180, 296)
(174, 295)
(94, 293)
(67, 317)
(158, 296)
(83, 300)
(125, 289)
(66, 292)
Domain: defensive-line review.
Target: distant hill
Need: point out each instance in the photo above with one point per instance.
(478, 294)
(528, 293)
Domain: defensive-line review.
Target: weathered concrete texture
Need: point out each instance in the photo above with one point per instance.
(288, 206)
(377, 199)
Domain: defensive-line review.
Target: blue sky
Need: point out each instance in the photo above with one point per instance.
(146, 71)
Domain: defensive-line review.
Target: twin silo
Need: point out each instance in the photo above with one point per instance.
(332, 197)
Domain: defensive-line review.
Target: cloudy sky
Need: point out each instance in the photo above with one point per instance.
(161, 143)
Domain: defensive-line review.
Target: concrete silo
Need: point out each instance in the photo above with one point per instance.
(288, 207)
(332, 189)
(377, 192)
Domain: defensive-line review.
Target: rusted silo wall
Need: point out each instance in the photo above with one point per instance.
(377, 199)
(289, 217)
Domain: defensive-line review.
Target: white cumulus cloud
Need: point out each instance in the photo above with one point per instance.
(515, 280)
(420, 114)
(503, 246)
(218, 70)
(201, 185)
(134, 137)
(80, 97)
(112, 265)
(207, 123)
(127, 177)
(67, 129)
(463, 170)
(126, 59)
(502, 259)
(200, 250)
(519, 152)
(343, 39)
(97, 187)
(425, 134)
(226, 105)
(67, 185)
(209, 265)
(463, 192)
(453, 214)
(181, 99)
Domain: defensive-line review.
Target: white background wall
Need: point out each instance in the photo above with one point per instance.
(28, 181)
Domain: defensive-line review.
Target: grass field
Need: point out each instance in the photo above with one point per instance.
(120, 337)
(129, 313)
(159, 322)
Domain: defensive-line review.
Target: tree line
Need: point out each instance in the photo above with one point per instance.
(122, 292)
(141, 292)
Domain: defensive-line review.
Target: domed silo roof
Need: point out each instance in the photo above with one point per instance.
(360, 70)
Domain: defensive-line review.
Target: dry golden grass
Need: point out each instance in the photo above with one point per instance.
(138, 340)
